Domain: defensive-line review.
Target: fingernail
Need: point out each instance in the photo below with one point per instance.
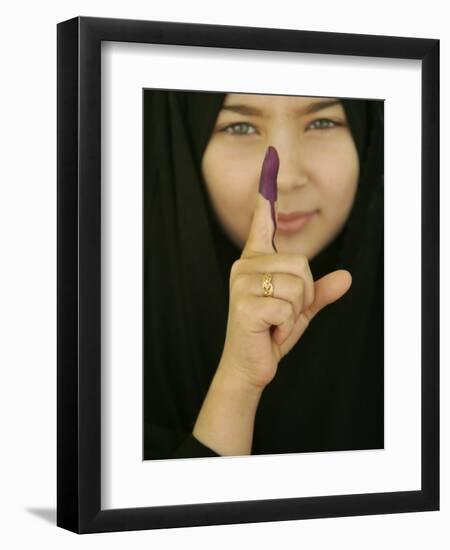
(268, 183)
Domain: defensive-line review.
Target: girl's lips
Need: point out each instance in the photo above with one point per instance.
(290, 223)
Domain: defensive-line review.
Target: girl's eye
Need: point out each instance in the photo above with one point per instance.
(240, 129)
(322, 124)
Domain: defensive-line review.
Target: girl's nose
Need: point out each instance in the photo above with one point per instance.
(292, 171)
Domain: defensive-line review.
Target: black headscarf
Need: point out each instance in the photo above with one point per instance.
(328, 390)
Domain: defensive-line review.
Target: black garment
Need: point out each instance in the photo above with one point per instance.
(328, 390)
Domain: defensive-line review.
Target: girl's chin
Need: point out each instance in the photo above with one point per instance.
(292, 245)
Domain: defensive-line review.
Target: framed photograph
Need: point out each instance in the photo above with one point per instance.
(248, 274)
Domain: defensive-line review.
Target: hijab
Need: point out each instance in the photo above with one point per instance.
(328, 390)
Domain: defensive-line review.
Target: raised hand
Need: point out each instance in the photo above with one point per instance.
(262, 329)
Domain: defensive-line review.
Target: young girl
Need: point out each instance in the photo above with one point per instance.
(263, 322)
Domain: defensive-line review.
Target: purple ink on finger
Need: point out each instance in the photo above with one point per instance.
(268, 183)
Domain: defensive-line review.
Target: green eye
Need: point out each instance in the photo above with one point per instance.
(322, 124)
(240, 129)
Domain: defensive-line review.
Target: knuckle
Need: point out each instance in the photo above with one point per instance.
(293, 315)
(310, 300)
(309, 293)
(302, 261)
(286, 310)
(242, 307)
(300, 295)
(235, 269)
(300, 288)
(240, 282)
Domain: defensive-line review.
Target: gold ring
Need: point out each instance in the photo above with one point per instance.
(267, 284)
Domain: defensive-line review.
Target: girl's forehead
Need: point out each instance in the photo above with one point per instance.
(265, 103)
(267, 99)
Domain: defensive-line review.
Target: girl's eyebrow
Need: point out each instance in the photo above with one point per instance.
(254, 111)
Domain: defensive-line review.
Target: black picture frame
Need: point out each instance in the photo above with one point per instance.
(79, 274)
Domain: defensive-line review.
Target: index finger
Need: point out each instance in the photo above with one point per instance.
(262, 230)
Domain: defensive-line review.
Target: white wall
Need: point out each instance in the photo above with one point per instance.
(28, 271)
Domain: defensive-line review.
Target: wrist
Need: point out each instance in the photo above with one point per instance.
(243, 377)
(234, 379)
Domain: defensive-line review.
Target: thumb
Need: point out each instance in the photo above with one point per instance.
(327, 290)
(262, 230)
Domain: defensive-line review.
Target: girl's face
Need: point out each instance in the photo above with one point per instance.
(318, 173)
